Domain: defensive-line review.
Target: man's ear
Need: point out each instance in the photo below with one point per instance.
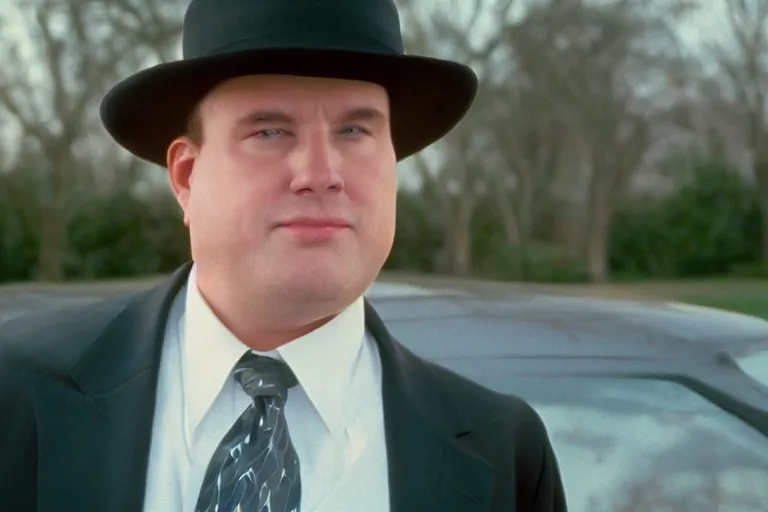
(180, 158)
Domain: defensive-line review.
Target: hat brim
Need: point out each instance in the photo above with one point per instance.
(428, 96)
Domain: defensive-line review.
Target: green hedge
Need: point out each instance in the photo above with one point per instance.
(710, 226)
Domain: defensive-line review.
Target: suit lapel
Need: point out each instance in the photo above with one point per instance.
(113, 409)
(429, 470)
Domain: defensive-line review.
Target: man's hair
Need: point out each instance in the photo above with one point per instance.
(194, 126)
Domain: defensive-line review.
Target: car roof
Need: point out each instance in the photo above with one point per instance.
(494, 333)
(495, 336)
(464, 317)
(498, 309)
(467, 319)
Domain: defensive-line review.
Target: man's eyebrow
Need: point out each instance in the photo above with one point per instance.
(264, 116)
(364, 113)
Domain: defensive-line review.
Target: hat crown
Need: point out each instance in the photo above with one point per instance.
(214, 27)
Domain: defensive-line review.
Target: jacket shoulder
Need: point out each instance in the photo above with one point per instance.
(35, 347)
(507, 432)
(54, 339)
(478, 401)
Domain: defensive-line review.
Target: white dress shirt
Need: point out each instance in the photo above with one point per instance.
(334, 415)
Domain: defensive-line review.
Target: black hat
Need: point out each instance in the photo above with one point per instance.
(347, 39)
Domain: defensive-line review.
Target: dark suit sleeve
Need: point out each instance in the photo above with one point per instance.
(544, 490)
(18, 439)
(550, 495)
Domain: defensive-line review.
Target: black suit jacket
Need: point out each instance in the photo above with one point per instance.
(77, 397)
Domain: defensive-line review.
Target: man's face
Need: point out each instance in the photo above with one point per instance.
(290, 197)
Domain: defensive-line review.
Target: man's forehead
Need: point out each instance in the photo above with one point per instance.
(266, 88)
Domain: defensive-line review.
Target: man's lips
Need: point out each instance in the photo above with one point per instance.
(314, 222)
(314, 229)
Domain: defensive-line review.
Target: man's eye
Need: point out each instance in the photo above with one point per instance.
(269, 133)
(354, 130)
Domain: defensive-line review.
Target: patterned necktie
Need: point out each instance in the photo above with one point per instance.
(255, 467)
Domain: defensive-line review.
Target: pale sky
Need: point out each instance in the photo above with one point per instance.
(707, 24)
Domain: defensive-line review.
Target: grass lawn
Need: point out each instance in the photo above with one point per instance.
(742, 296)
(749, 296)
(749, 303)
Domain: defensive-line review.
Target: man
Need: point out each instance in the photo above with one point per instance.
(258, 378)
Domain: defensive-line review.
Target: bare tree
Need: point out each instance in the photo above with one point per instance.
(566, 86)
(529, 132)
(454, 174)
(611, 68)
(55, 72)
(454, 184)
(746, 68)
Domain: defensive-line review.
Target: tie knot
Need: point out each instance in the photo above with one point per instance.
(264, 376)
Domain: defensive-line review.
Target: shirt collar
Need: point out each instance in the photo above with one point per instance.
(323, 360)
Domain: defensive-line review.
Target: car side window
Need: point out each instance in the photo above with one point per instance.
(755, 365)
(648, 446)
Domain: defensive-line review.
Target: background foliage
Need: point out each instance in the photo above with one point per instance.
(710, 226)
(621, 140)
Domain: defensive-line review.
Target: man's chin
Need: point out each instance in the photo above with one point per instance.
(320, 285)
(323, 283)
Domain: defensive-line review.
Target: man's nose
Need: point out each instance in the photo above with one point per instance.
(315, 163)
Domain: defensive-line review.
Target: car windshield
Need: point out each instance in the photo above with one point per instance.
(648, 446)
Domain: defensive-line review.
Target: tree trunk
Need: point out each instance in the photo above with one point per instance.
(599, 223)
(462, 237)
(597, 250)
(53, 219)
(508, 216)
(527, 214)
(512, 229)
(761, 176)
(51, 243)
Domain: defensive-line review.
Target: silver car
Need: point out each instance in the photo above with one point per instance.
(650, 407)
